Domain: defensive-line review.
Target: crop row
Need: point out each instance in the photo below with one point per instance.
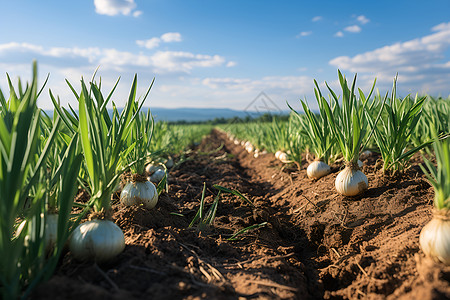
(46, 160)
(345, 126)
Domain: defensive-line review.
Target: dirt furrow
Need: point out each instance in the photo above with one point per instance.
(364, 247)
(311, 243)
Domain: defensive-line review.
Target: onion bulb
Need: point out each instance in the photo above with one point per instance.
(51, 231)
(317, 169)
(140, 192)
(50, 227)
(151, 168)
(283, 157)
(351, 181)
(98, 240)
(435, 237)
(277, 154)
(169, 163)
(157, 176)
(360, 164)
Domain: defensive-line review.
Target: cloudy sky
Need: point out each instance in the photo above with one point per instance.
(223, 54)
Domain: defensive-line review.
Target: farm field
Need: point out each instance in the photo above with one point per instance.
(316, 244)
(348, 202)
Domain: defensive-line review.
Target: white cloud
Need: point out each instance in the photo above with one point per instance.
(421, 62)
(317, 18)
(231, 83)
(159, 62)
(170, 68)
(150, 43)
(231, 64)
(282, 85)
(304, 33)
(116, 7)
(362, 19)
(179, 61)
(353, 28)
(173, 88)
(154, 42)
(137, 13)
(240, 92)
(171, 37)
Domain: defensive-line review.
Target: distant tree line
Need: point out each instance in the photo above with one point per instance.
(267, 117)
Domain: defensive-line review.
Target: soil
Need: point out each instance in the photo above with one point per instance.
(311, 244)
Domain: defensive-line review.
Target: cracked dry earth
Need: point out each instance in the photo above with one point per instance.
(315, 243)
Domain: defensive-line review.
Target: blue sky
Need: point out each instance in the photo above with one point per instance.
(222, 54)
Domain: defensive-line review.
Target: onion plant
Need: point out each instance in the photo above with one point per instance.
(298, 140)
(275, 135)
(350, 126)
(103, 140)
(138, 189)
(395, 127)
(320, 136)
(434, 237)
(435, 115)
(161, 137)
(25, 259)
(205, 219)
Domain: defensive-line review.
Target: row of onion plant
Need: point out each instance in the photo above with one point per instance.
(348, 124)
(36, 185)
(46, 160)
(393, 132)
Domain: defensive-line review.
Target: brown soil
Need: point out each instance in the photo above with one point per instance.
(316, 244)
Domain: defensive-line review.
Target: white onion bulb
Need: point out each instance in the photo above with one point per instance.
(98, 240)
(236, 142)
(435, 237)
(51, 231)
(366, 153)
(157, 176)
(151, 168)
(249, 148)
(169, 163)
(135, 193)
(360, 164)
(277, 154)
(351, 182)
(283, 157)
(317, 169)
